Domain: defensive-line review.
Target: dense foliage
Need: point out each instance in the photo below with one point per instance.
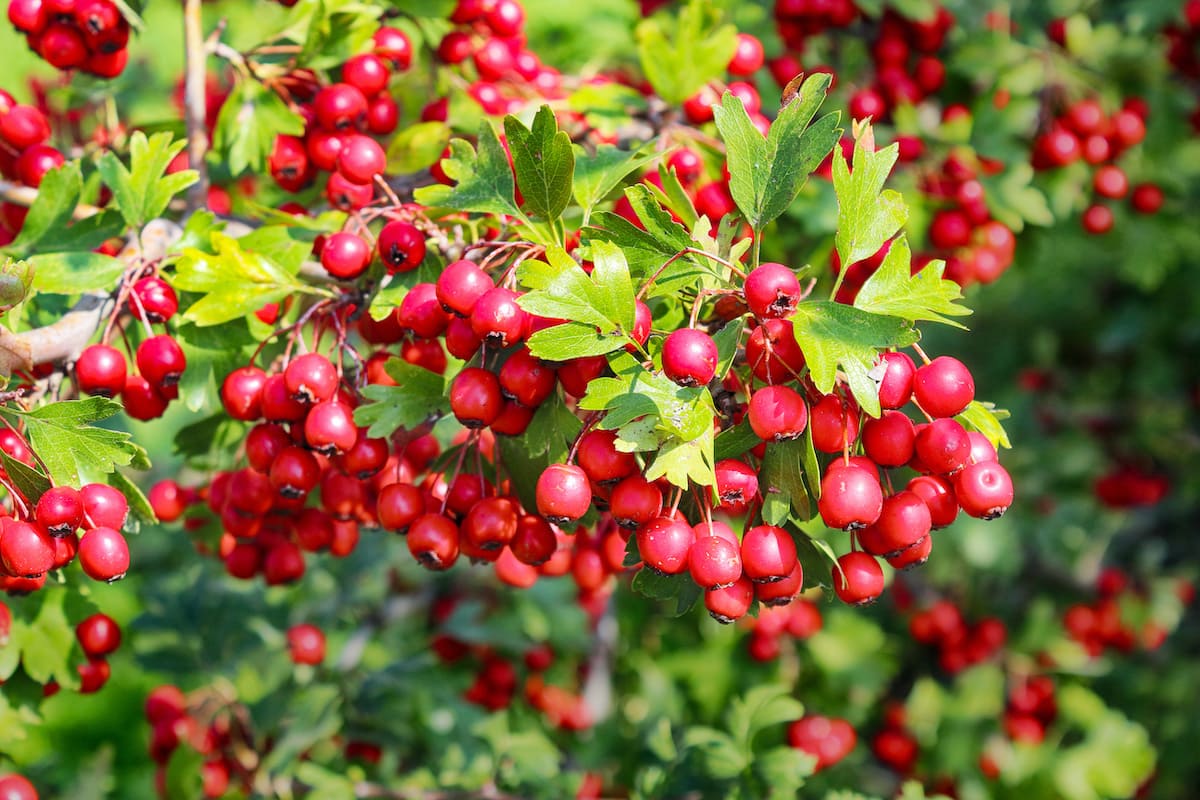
(456, 398)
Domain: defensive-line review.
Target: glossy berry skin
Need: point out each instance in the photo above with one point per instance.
(851, 497)
(103, 506)
(310, 378)
(16, 787)
(858, 579)
(943, 446)
(154, 300)
(1110, 181)
(834, 425)
(714, 562)
(329, 428)
(433, 541)
(943, 387)
(460, 285)
(345, 255)
(634, 502)
(294, 472)
(306, 644)
(1147, 198)
(828, 740)
(104, 554)
(490, 524)
(768, 554)
(664, 544)
(59, 510)
(731, 602)
(340, 106)
(772, 291)
(889, 440)
(361, 159)
(534, 542)
(737, 485)
(475, 397)
(1097, 219)
(161, 361)
(25, 550)
(903, 521)
(497, 319)
(143, 400)
(398, 506)
(747, 56)
(101, 370)
(99, 635)
(367, 72)
(241, 393)
(895, 389)
(689, 357)
(527, 379)
(401, 246)
(938, 494)
(984, 490)
(563, 493)
(599, 457)
(777, 413)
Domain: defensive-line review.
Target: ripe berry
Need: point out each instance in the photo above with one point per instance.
(497, 319)
(1147, 198)
(98, 635)
(895, 388)
(768, 554)
(103, 506)
(737, 485)
(747, 56)
(277, 403)
(27, 16)
(777, 413)
(714, 562)
(634, 502)
(888, 441)
(394, 45)
(689, 357)
(943, 446)
(527, 379)
(340, 106)
(310, 378)
(361, 159)
(401, 246)
(913, 556)
(773, 353)
(59, 510)
(475, 397)
(366, 72)
(104, 554)
(241, 393)
(154, 300)
(329, 428)
(534, 542)
(851, 497)
(306, 643)
(101, 370)
(938, 494)
(563, 493)
(460, 285)
(984, 490)
(345, 255)
(294, 472)
(17, 787)
(601, 460)
(858, 578)
(834, 424)
(664, 543)
(1097, 219)
(160, 360)
(398, 506)
(168, 500)
(433, 541)
(1110, 181)
(731, 602)
(943, 387)
(421, 313)
(490, 524)
(771, 290)
(25, 550)
(24, 126)
(903, 521)
(33, 164)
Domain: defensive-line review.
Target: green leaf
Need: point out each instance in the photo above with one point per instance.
(684, 461)
(783, 770)
(722, 758)
(758, 709)
(138, 502)
(234, 282)
(85, 234)
(63, 438)
(695, 51)
(985, 418)
(767, 173)
(782, 482)
(143, 190)
(75, 273)
(562, 290)
(57, 197)
(599, 173)
(551, 430)
(31, 482)
(735, 441)
(544, 163)
(48, 639)
(16, 280)
(680, 588)
(817, 560)
(727, 340)
(250, 119)
(483, 179)
(313, 714)
(833, 335)
(894, 291)
(419, 395)
(606, 106)
(573, 340)
(212, 352)
(333, 32)
(185, 775)
(417, 147)
(674, 197)
(868, 215)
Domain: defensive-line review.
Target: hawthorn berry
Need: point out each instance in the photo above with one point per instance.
(689, 357)
(858, 578)
(563, 493)
(104, 554)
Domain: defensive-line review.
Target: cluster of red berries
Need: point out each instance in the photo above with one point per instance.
(1031, 708)
(173, 726)
(798, 619)
(1129, 486)
(340, 120)
(99, 635)
(959, 644)
(43, 536)
(25, 157)
(488, 44)
(1104, 623)
(907, 68)
(1084, 132)
(103, 370)
(827, 739)
(1183, 48)
(90, 35)
(894, 745)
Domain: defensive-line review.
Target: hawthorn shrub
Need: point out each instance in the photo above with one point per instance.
(446, 398)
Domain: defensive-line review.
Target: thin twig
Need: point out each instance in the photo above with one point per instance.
(195, 101)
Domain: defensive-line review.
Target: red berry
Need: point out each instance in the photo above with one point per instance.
(399, 505)
(1097, 219)
(98, 635)
(943, 446)
(903, 521)
(858, 578)
(731, 602)
(168, 500)
(366, 72)
(1147, 198)
(747, 56)
(25, 550)
(161, 361)
(895, 388)
(101, 370)
(689, 357)
(340, 106)
(306, 643)
(834, 424)
(563, 493)
(777, 413)
(104, 554)
(16, 787)
(433, 541)
(768, 554)
(773, 353)
(851, 497)
(460, 286)
(888, 441)
(361, 159)
(664, 544)
(345, 255)
(938, 494)
(394, 45)
(772, 290)
(475, 397)
(714, 562)
(59, 510)
(329, 428)
(241, 393)
(737, 485)
(984, 490)
(601, 460)
(943, 387)
(527, 379)
(153, 300)
(310, 378)
(103, 506)
(1110, 181)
